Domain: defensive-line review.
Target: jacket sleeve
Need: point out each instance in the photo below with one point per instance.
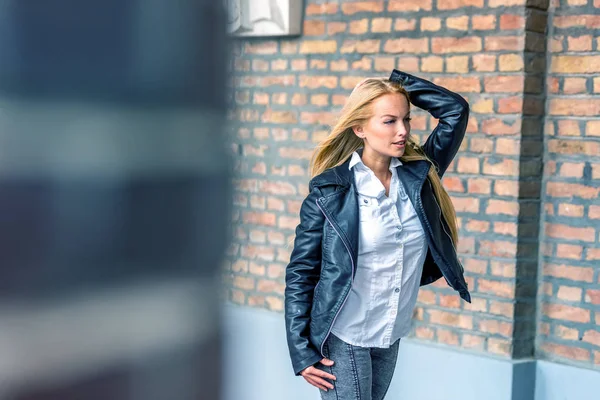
(301, 277)
(451, 110)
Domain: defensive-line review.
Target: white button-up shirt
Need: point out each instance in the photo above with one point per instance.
(391, 252)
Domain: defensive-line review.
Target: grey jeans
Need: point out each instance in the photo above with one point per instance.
(362, 373)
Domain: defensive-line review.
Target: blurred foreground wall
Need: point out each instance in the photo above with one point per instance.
(114, 199)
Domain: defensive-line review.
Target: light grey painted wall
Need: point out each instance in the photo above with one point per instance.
(257, 367)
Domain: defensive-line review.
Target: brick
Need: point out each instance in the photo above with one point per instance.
(566, 313)
(295, 153)
(339, 65)
(571, 64)
(364, 64)
(578, 20)
(450, 319)
(579, 43)
(403, 24)
(362, 6)
(318, 46)
(333, 28)
(243, 282)
(573, 353)
(503, 84)
(504, 167)
(574, 85)
(563, 189)
(556, 44)
(432, 64)
(313, 28)
(256, 301)
(299, 65)
(314, 82)
(456, 4)
(483, 22)
(497, 248)
(359, 27)
(318, 64)
(506, 3)
(426, 297)
(458, 64)
(499, 346)
(592, 336)
(581, 274)
(576, 147)
(319, 9)
(481, 145)
(381, 25)
(279, 65)
(564, 250)
(568, 128)
(484, 62)
(478, 186)
(409, 5)
(510, 62)
(319, 99)
(406, 45)
(510, 43)
(576, 107)
(572, 170)
(423, 332)
(502, 207)
(496, 288)
(360, 46)
(510, 22)
(593, 296)
(275, 204)
(506, 228)
(496, 126)
(577, 2)
(449, 301)
(500, 308)
(566, 333)
(430, 24)
(289, 47)
(593, 254)
(468, 165)
(384, 64)
(496, 327)
(592, 128)
(466, 245)
(569, 293)
(447, 337)
(475, 266)
(447, 45)
(508, 146)
(459, 84)
(279, 117)
(466, 204)
(472, 342)
(453, 184)
(262, 48)
(594, 212)
(567, 232)
(299, 99)
(459, 23)
(478, 226)
(504, 269)
(319, 118)
(237, 296)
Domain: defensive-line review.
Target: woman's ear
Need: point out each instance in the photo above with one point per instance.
(358, 131)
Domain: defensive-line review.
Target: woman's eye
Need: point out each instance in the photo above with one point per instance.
(391, 121)
(408, 119)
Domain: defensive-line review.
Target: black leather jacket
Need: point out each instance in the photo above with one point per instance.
(323, 261)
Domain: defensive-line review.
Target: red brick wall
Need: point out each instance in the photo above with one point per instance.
(570, 292)
(493, 52)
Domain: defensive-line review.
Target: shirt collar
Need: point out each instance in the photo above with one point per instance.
(394, 162)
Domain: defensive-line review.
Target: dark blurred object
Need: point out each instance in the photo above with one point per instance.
(114, 198)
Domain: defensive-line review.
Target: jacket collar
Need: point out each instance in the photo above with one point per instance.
(342, 175)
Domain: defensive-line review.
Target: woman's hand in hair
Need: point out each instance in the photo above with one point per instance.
(316, 377)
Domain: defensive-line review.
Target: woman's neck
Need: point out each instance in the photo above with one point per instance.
(380, 165)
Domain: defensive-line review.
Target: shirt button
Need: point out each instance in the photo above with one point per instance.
(397, 290)
(366, 201)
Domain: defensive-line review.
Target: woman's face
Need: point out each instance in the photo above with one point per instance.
(386, 132)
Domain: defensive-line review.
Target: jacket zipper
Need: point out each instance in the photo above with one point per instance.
(347, 294)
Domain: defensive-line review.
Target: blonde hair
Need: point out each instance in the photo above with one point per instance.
(342, 142)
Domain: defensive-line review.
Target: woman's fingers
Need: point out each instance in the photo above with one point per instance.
(320, 383)
(323, 374)
(315, 384)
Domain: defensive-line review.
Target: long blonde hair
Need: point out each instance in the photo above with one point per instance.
(342, 142)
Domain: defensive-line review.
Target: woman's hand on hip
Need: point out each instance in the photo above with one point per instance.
(316, 377)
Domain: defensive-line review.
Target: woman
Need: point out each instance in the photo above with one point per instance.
(376, 225)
